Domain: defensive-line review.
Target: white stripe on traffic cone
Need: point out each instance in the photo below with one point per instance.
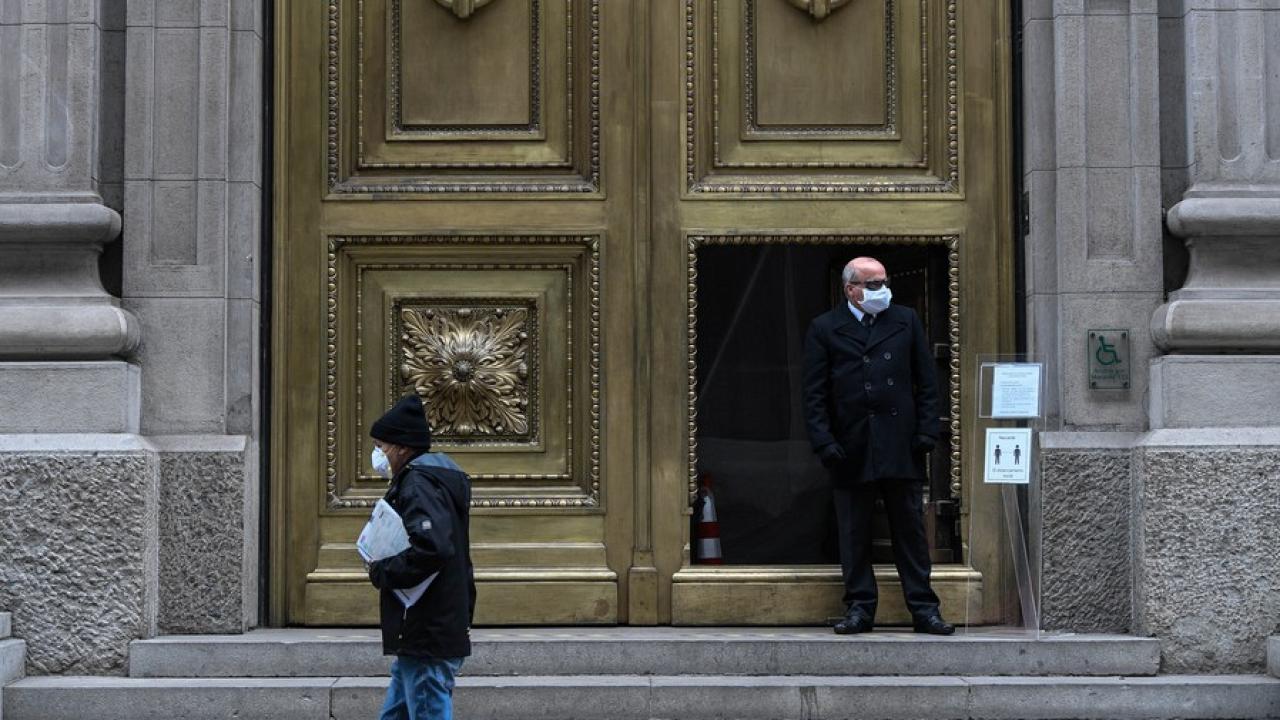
(707, 533)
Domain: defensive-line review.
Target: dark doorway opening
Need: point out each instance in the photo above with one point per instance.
(755, 302)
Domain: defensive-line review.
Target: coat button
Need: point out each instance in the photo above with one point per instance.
(888, 356)
(866, 358)
(893, 411)
(871, 414)
(866, 386)
(890, 381)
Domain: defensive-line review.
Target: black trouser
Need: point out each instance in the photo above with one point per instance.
(903, 504)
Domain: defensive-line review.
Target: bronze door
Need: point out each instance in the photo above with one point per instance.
(503, 205)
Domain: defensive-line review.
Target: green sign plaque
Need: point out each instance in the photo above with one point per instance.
(1108, 359)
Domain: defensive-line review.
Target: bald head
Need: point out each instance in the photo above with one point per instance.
(862, 268)
(859, 270)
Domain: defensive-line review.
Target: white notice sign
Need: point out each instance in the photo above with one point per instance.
(1015, 390)
(1008, 458)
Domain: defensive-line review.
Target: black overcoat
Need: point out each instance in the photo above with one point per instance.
(872, 391)
(434, 502)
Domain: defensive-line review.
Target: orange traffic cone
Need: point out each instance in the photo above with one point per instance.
(707, 533)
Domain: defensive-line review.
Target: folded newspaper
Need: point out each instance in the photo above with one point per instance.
(384, 536)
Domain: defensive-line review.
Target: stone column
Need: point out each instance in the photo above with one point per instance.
(1094, 260)
(63, 340)
(192, 209)
(78, 524)
(1208, 476)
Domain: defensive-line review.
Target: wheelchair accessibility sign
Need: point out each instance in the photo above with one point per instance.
(1108, 359)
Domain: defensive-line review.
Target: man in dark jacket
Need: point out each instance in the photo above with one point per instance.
(871, 407)
(432, 496)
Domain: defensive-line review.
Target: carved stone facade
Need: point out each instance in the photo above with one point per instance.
(1134, 110)
(130, 360)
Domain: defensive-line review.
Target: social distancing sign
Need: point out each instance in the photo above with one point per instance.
(1008, 456)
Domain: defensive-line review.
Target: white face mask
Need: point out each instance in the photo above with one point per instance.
(381, 464)
(876, 301)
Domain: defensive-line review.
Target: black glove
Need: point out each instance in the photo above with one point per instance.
(831, 455)
(923, 444)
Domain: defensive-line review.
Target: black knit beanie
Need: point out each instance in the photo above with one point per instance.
(405, 424)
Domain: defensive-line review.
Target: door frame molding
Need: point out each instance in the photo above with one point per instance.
(708, 595)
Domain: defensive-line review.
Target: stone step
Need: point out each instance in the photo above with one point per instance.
(6, 625)
(13, 660)
(656, 651)
(635, 697)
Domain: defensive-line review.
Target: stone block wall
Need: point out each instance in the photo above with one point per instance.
(207, 534)
(154, 109)
(1085, 511)
(80, 522)
(111, 538)
(1207, 526)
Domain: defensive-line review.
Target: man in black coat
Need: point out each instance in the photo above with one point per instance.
(432, 496)
(871, 407)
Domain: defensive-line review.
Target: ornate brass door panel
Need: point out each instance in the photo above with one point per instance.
(869, 126)
(444, 229)
(500, 205)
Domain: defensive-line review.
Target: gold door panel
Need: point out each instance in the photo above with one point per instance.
(856, 102)
(505, 316)
(506, 100)
(500, 336)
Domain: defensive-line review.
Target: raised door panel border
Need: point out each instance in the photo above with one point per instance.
(529, 569)
(875, 116)
(486, 78)
(545, 142)
(770, 595)
(821, 115)
(952, 243)
(519, 317)
(512, 380)
(915, 149)
(451, 99)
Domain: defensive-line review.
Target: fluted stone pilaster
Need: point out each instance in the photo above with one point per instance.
(1229, 216)
(1205, 478)
(53, 222)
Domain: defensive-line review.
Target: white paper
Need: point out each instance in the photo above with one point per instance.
(409, 596)
(1015, 390)
(384, 536)
(1008, 456)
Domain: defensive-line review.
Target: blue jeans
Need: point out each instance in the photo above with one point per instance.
(421, 689)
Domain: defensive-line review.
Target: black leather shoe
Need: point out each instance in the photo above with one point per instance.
(934, 625)
(853, 623)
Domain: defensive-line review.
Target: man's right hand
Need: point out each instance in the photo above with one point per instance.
(831, 455)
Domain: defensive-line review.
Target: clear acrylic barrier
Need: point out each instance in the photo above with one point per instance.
(1011, 395)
